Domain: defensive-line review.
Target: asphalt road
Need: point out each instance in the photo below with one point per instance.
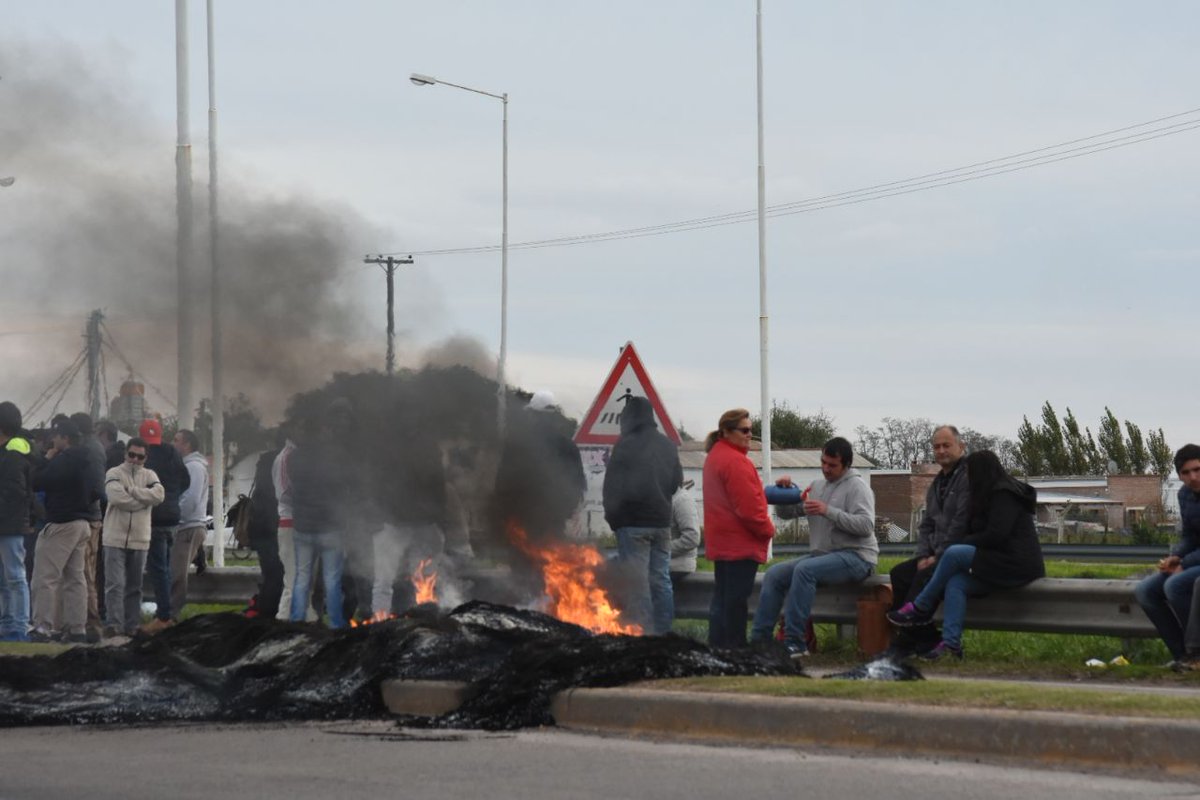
(351, 760)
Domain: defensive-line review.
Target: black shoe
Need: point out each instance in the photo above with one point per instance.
(42, 637)
(943, 651)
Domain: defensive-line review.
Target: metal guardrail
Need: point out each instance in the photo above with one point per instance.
(1048, 605)
(1085, 553)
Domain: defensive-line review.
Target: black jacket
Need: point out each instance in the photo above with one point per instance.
(168, 465)
(16, 496)
(264, 506)
(643, 472)
(945, 521)
(68, 483)
(1007, 551)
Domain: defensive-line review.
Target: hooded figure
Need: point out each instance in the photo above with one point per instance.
(642, 476)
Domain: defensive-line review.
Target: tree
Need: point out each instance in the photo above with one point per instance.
(1029, 449)
(244, 431)
(1082, 453)
(1054, 447)
(1162, 460)
(897, 443)
(1112, 443)
(1135, 447)
(792, 430)
(1004, 448)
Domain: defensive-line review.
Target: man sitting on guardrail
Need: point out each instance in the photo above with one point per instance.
(944, 523)
(841, 522)
(1168, 596)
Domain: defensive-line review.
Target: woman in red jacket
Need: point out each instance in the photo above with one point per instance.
(737, 526)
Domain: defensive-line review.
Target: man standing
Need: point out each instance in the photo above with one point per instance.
(132, 491)
(91, 559)
(167, 464)
(1166, 596)
(59, 589)
(16, 499)
(944, 523)
(841, 523)
(193, 509)
(642, 476)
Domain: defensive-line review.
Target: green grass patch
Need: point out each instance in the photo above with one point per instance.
(958, 694)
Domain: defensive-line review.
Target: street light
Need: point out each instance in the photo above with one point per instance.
(502, 400)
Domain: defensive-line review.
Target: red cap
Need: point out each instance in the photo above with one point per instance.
(151, 431)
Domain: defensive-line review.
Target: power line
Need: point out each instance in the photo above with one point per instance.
(947, 177)
(108, 340)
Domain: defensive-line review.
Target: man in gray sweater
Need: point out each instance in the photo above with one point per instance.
(841, 522)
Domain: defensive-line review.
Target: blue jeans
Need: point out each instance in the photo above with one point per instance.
(952, 583)
(647, 551)
(158, 567)
(14, 590)
(327, 545)
(796, 583)
(1167, 601)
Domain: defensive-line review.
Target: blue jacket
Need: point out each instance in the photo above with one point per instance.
(1188, 547)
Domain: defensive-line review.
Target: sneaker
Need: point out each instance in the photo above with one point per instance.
(42, 636)
(154, 626)
(94, 635)
(795, 650)
(909, 616)
(942, 650)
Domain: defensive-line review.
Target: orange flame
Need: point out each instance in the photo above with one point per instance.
(378, 616)
(569, 574)
(425, 584)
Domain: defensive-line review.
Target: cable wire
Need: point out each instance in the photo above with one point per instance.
(981, 169)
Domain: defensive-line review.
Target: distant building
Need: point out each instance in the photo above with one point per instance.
(128, 408)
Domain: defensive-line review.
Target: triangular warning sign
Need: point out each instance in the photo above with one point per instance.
(602, 423)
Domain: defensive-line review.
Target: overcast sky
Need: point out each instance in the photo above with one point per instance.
(974, 303)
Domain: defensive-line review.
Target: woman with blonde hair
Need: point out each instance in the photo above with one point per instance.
(737, 526)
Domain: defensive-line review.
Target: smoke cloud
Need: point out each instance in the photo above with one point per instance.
(90, 223)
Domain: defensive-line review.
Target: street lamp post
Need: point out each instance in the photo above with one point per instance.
(501, 390)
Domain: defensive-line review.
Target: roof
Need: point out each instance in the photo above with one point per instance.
(1062, 499)
(692, 457)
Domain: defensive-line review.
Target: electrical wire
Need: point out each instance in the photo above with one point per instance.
(67, 375)
(107, 339)
(976, 171)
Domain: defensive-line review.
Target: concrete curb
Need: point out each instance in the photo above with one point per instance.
(1050, 739)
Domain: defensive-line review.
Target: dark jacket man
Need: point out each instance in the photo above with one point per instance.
(168, 465)
(643, 472)
(67, 481)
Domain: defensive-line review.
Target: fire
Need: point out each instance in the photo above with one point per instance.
(378, 616)
(425, 584)
(569, 573)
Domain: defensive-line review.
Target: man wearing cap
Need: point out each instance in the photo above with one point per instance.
(59, 589)
(167, 464)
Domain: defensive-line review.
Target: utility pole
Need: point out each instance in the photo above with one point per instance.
(389, 267)
(183, 216)
(93, 363)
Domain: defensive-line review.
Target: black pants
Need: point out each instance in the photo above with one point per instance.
(907, 583)
(728, 613)
(271, 588)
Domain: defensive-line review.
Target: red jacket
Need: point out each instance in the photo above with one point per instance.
(737, 525)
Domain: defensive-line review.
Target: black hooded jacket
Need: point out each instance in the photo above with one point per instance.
(168, 465)
(67, 480)
(16, 496)
(1007, 552)
(643, 472)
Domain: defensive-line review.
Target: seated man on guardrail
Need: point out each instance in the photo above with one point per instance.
(944, 523)
(1167, 596)
(841, 521)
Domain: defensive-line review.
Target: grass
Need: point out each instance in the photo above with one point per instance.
(957, 694)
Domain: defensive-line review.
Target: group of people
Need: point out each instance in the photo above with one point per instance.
(84, 518)
(977, 536)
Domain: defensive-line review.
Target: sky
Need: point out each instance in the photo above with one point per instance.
(972, 303)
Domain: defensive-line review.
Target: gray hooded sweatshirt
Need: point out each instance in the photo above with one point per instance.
(850, 522)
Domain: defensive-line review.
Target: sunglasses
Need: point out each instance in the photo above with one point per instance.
(136, 456)
(744, 430)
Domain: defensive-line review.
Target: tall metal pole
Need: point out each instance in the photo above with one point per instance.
(501, 388)
(391, 317)
(214, 258)
(93, 363)
(183, 213)
(763, 365)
